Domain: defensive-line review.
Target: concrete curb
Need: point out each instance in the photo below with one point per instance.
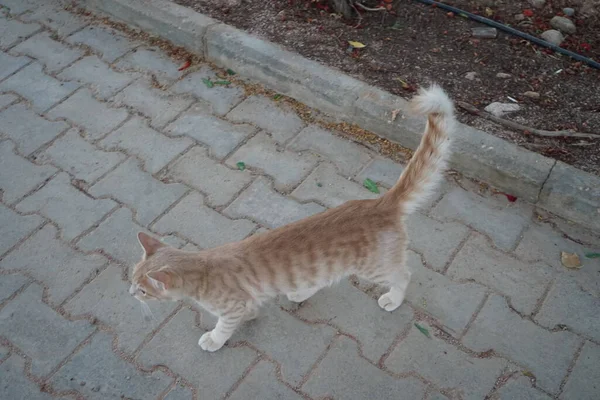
(555, 186)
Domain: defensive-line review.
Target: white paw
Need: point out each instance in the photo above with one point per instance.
(388, 302)
(207, 343)
(296, 297)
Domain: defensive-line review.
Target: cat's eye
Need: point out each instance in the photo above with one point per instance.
(143, 292)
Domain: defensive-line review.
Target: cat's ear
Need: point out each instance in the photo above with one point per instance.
(161, 280)
(149, 244)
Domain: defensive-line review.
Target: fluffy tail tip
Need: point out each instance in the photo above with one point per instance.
(432, 100)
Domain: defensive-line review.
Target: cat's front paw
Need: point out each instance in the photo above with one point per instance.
(207, 343)
(389, 302)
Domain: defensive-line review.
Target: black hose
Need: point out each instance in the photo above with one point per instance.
(515, 32)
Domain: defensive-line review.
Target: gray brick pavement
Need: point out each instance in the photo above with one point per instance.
(101, 137)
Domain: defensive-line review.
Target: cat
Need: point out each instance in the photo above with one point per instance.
(362, 237)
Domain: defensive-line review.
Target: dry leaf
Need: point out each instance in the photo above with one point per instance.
(356, 45)
(570, 260)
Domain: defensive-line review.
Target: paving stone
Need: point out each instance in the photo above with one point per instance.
(542, 243)
(73, 211)
(325, 185)
(55, 17)
(202, 225)
(342, 374)
(43, 91)
(155, 104)
(174, 241)
(54, 55)
(9, 65)
(14, 227)
(27, 129)
(108, 42)
(52, 262)
(503, 222)
(108, 376)
(219, 183)
(9, 284)
(219, 135)
(347, 156)
(14, 385)
(102, 79)
(584, 382)
(261, 152)
(180, 392)
(13, 31)
(16, 7)
(567, 304)
(95, 117)
(519, 389)
(155, 149)
(280, 121)
(357, 314)
(138, 190)
(107, 298)
(445, 365)
(293, 344)
(117, 236)
(262, 383)
(176, 345)
(4, 352)
(151, 61)
(19, 176)
(7, 99)
(79, 158)
(452, 303)
(269, 208)
(523, 283)
(382, 171)
(437, 241)
(39, 331)
(546, 354)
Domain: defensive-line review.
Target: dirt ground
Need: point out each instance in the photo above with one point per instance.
(413, 44)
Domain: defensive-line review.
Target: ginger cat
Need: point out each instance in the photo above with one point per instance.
(362, 237)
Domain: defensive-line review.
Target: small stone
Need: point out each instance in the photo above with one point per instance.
(553, 36)
(565, 25)
(568, 11)
(519, 17)
(503, 75)
(470, 75)
(484, 32)
(499, 109)
(538, 3)
(532, 95)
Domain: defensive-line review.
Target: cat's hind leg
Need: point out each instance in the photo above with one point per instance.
(302, 295)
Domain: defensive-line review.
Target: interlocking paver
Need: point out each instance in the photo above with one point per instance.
(219, 135)
(55, 17)
(19, 176)
(27, 129)
(179, 392)
(154, 103)
(155, 149)
(108, 376)
(359, 315)
(261, 152)
(151, 61)
(502, 221)
(262, 383)
(73, 211)
(40, 332)
(264, 205)
(7, 99)
(14, 227)
(104, 81)
(64, 269)
(523, 283)
(342, 374)
(13, 31)
(108, 42)
(9, 284)
(221, 98)
(107, 298)
(219, 183)
(95, 117)
(584, 382)
(138, 190)
(381, 171)
(204, 226)
(279, 121)
(15, 385)
(19, 6)
(9, 65)
(43, 91)
(519, 389)
(347, 156)
(546, 354)
(54, 55)
(176, 345)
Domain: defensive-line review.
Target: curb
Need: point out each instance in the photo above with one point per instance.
(557, 187)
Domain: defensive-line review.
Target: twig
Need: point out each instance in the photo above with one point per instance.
(519, 127)
(357, 13)
(369, 8)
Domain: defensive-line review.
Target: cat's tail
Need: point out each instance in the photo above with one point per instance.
(424, 171)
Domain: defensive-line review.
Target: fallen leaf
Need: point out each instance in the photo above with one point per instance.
(277, 96)
(423, 330)
(208, 82)
(356, 45)
(230, 72)
(222, 82)
(395, 113)
(529, 374)
(319, 184)
(185, 65)
(592, 255)
(403, 83)
(489, 12)
(372, 186)
(241, 165)
(397, 26)
(510, 197)
(570, 260)
(528, 13)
